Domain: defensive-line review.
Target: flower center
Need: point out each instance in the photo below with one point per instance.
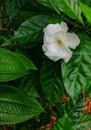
(59, 42)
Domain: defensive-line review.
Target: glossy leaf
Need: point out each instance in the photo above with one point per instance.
(64, 123)
(86, 11)
(16, 106)
(50, 78)
(70, 8)
(13, 65)
(76, 73)
(83, 123)
(31, 29)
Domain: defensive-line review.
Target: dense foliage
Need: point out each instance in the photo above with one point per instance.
(36, 92)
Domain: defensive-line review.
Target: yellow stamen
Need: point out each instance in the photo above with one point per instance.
(59, 42)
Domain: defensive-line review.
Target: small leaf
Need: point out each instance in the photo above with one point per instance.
(64, 123)
(13, 65)
(70, 7)
(76, 73)
(31, 29)
(16, 106)
(50, 78)
(86, 11)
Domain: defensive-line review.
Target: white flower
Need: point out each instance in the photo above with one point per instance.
(57, 42)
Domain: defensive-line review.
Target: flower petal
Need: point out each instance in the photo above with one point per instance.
(51, 43)
(57, 42)
(62, 53)
(51, 29)
(50, 53)
(54, 28)
(65, 53)
(71, 40)
(64, 27)
(66, 59)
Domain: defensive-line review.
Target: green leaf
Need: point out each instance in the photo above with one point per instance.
(50, 78)
(70, 8)
(86, 2)
(86, 11)
(76, 73)
(54, 19)
(13, 6)
(49, 4)
(4, 42)
(89, 90)
(64, 123)
(31, 29)
(13, 65)
(74, 111)
(78, 119)
(83, 123)
(16, 106)
(26, 85)
(45, 3)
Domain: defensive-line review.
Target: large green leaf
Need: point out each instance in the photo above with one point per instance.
(70, 7)
(50, 78)
(77, 72)
(31, 29)
(64, 123)
(16, 106)
(83, 123)
(86, 11)
(13, 65)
